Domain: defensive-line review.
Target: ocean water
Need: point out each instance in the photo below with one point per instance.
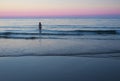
(60, 28)
(60, 37)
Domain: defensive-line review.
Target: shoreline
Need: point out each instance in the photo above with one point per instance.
(24, 65)
(59, 47)
(106, 55)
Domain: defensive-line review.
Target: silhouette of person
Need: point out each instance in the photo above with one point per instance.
(40, 27)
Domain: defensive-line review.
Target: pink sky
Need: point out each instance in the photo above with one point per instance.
(95, 12)
(25, 8)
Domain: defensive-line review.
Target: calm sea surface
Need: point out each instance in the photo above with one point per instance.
(60, 28)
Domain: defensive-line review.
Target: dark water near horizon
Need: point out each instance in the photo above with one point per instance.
(61, 28)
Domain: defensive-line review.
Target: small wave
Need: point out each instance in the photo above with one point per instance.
(101, 54)
(98, 31)
(58, 32)
(36, 34)
(15, 33)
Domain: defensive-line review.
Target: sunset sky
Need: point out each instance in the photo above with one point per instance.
(31, 8)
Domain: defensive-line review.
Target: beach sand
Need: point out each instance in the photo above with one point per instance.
(59, 60)
(59, 68)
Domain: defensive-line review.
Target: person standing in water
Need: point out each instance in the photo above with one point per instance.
(40, 27)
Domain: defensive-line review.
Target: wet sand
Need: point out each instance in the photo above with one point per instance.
(58, 47)
(59, 68)
(59, 60)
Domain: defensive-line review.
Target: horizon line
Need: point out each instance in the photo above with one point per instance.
(77, 16)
